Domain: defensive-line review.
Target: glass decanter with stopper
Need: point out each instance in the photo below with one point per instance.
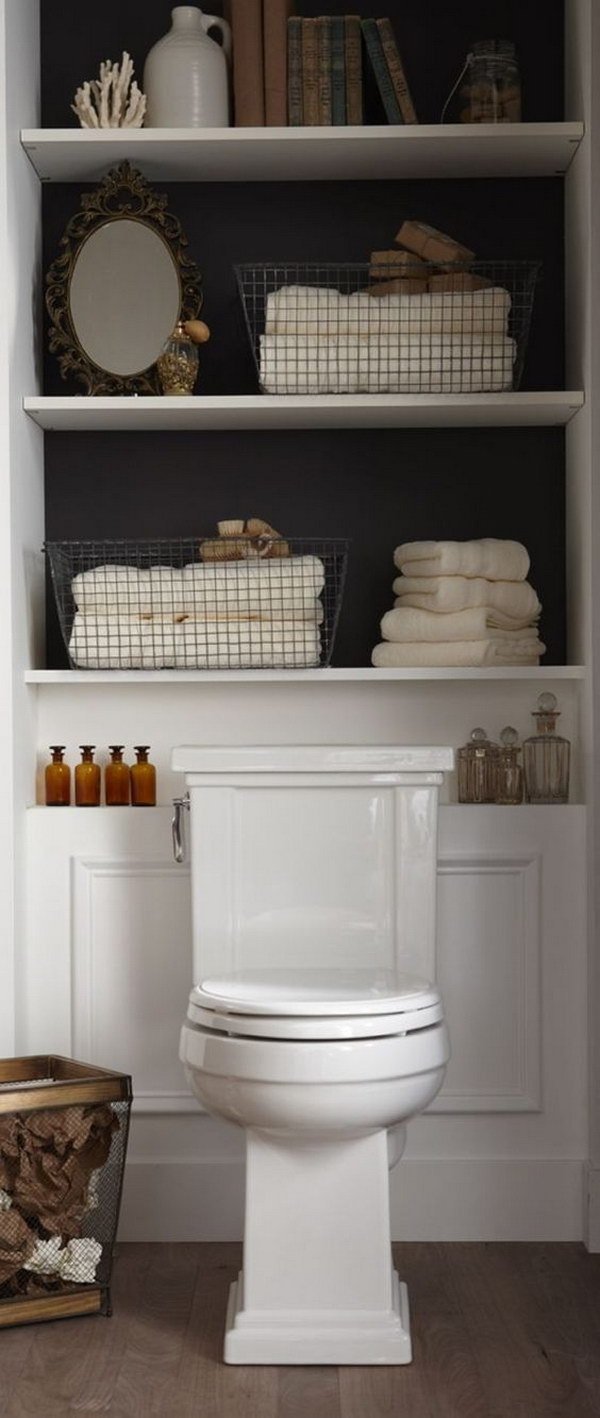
(510, 774)
(477, 769)
(546, 756)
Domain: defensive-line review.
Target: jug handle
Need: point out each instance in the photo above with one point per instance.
(214, 22)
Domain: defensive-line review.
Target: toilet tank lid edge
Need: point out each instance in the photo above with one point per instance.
(312, 758)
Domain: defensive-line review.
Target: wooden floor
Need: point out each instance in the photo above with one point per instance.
(499, 1331)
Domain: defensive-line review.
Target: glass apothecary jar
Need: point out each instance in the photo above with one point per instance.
(509, 787)
(116, 778)
(477, 769)
(546, 756)
(490, 91)
(87, 778)
(57, 779)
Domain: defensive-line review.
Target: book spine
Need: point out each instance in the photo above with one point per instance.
(381, 72)
(324, 69)
(395, 66)
(338, 71)
(354, 83)
(245, 18)
(310, 73)
(294, 74)
(275, 18)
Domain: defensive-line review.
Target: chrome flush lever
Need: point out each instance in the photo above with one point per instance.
(180, 806)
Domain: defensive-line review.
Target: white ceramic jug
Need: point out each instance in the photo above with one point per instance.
(186, 79)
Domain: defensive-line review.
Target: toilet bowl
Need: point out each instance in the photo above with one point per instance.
(309, 1034)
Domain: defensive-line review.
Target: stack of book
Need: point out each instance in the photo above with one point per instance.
(288, 70)
(325, 71)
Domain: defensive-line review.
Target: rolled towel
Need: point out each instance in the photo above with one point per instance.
(457, 593)
(434, 364)
(490, 557)
(466, 653)
(318, 310)
(404, 624)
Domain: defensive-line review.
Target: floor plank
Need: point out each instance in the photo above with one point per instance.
(499, 1331)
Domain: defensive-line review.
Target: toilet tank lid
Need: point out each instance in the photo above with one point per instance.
(312, 758)
(316, 992)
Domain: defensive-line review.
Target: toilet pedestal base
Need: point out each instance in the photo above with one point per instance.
(302, 1337)
(317, 1285)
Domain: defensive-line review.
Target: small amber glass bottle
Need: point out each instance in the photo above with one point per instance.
(87, 778)
(58, 779)
(116, 778)
(143, 779)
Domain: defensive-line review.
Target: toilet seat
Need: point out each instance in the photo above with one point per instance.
(312, 1005)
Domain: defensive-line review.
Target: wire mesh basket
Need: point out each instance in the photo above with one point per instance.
(385, 328)
(63, 1141)
(219, 603)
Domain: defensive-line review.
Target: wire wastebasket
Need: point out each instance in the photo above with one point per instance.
(150, 605)
(339, 329)
(63, 1141)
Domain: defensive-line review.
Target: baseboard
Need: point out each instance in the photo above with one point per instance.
(591, 1233)
(433, 1200)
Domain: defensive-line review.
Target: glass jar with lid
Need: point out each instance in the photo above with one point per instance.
(477, 769)
(490, 89)
(509, 788)
(546, 756)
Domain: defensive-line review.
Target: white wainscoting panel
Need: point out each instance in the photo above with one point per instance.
(488, 967)
(131, 960)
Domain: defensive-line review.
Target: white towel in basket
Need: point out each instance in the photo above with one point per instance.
(271, 588)
(316, 310)
(131, 644)
(129, 590)
(436, 364)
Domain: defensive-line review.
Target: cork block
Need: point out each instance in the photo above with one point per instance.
(403, 286)
(457, 281)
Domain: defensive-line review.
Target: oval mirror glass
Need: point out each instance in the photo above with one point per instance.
(124, 296)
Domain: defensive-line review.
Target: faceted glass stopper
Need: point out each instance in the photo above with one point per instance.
(509, 737)
(479, 737)
(547, 703)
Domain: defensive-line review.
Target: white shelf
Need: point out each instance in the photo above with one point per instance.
(307, 154)
(261, 411)
(367, 675)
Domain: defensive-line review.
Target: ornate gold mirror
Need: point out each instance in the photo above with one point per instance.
(121, 284)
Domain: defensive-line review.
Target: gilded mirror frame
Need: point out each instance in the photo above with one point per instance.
(123, 195)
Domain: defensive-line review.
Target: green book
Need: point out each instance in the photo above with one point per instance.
(338, 70)
(380, 69)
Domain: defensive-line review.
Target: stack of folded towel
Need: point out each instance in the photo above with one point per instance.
(318, 340)
(220, 615)
(461, 603)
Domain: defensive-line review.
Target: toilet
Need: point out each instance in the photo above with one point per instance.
(315, 1024)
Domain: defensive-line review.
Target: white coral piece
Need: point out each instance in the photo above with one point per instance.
(76, 1261)
(112, 101)
(5, 1201)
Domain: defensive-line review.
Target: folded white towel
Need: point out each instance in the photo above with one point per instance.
(490, 557)
(102, 590)
(193, 644)
(457, 593)
(404, 624)
(273, 587)
(317, 310)
(458, 653)
(438, 364)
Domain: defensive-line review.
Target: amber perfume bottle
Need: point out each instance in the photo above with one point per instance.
(116, 778)
(87, 778)
(58, 779)
(143, 779)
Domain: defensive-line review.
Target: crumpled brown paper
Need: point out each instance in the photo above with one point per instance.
(46, 1161)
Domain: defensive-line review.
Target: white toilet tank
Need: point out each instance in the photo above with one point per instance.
(313, 857)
